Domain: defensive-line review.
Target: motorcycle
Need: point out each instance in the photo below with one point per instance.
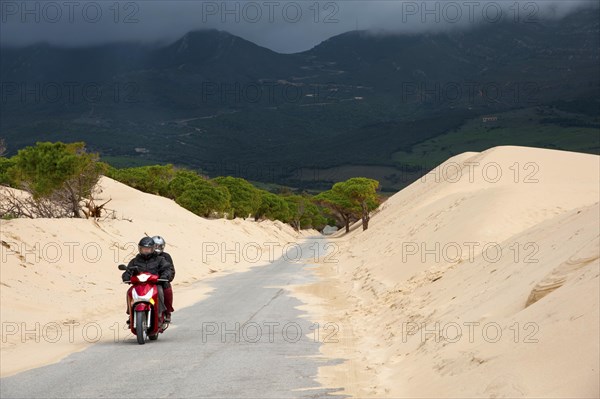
(145, 317)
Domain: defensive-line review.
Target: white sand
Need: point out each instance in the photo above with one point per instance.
(398, 309)
(57, 271)
(529, 319)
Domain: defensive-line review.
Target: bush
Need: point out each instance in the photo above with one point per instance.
(204, 198)
(304, 213)
(273, 207)
(245, 198)
(183, 178)
(153, 179)
(237, 197)
(5, 164)
(58, 176)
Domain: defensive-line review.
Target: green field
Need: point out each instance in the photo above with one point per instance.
(532, 127)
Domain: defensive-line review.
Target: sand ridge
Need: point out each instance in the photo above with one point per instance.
(471, 286)
(60, 288)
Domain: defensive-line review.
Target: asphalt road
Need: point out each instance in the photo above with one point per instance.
(274, 353)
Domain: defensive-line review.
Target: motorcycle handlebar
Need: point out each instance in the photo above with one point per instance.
(160, 279)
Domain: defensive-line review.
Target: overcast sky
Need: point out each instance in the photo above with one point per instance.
(283, 26)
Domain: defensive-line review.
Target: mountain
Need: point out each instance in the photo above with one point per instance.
(380, 102)
(553, 52)
(196, 52)
(219, 54)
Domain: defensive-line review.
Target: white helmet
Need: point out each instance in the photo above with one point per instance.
(159, 244)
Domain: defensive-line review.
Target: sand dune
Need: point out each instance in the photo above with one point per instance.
(471, 284)
(479, 280)
(59, 286)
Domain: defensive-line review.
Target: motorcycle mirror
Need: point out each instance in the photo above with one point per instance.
(122, 267)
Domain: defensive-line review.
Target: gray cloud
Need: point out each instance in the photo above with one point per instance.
(283, 26)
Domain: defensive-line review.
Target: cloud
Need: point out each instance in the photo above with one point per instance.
(283, 26)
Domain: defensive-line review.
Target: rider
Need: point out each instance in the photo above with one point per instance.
(159, 248)
(147, 261)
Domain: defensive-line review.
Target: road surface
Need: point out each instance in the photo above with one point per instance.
(273, 354)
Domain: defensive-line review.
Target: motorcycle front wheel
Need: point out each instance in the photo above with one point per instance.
(140, 326)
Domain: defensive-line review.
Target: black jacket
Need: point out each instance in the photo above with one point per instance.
(170, 260)
(153, 264)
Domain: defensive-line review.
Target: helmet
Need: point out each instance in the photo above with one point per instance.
(146, 247)
(159, 243)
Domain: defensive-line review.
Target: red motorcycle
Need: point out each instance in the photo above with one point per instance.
(145, 317)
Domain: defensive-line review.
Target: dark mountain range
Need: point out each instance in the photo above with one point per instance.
(217, 102)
